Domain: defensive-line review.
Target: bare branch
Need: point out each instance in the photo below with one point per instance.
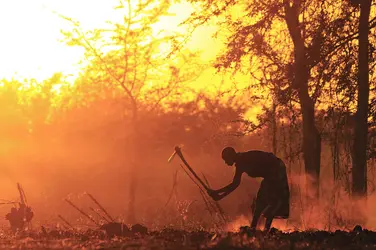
(125, 41)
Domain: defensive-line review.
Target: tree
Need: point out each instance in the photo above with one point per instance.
(129, 61)
(288, 39)
(359, 170)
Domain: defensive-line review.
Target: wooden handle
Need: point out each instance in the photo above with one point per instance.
(180, 154)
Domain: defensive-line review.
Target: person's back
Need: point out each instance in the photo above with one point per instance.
(258, 163)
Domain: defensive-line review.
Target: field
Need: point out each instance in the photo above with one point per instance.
(167, 238)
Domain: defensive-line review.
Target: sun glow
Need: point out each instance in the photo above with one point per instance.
(32, 45)
(31, 48)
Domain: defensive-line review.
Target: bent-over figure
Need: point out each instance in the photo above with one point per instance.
(273, 197)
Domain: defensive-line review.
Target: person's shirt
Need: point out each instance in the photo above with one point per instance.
(257, 163)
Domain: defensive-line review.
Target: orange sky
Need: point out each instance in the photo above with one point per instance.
(30, 31)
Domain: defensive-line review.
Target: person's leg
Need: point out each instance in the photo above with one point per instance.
(270, 214)
(256, 216)
(259, 205)
(277, 195)
(268, 223)
(284, 210)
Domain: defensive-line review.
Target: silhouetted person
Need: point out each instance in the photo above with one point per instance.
(273, 197)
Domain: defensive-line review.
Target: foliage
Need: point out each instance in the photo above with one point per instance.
(130, 59)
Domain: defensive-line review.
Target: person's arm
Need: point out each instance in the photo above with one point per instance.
(223, 192)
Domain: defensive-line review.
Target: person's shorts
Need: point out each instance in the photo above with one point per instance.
(274, 193)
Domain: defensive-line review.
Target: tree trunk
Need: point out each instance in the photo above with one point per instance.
(133, 176)
(274, 128)
(311, 136)
(359, 169)
(334, 145)
(301, 72)
(131, 218)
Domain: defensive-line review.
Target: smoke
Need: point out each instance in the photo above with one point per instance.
(335, 209)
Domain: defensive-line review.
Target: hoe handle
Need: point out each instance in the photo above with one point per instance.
(180, 154)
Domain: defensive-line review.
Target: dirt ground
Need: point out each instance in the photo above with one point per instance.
(177, 239)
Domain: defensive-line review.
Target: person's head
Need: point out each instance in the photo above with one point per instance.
(229, 155)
